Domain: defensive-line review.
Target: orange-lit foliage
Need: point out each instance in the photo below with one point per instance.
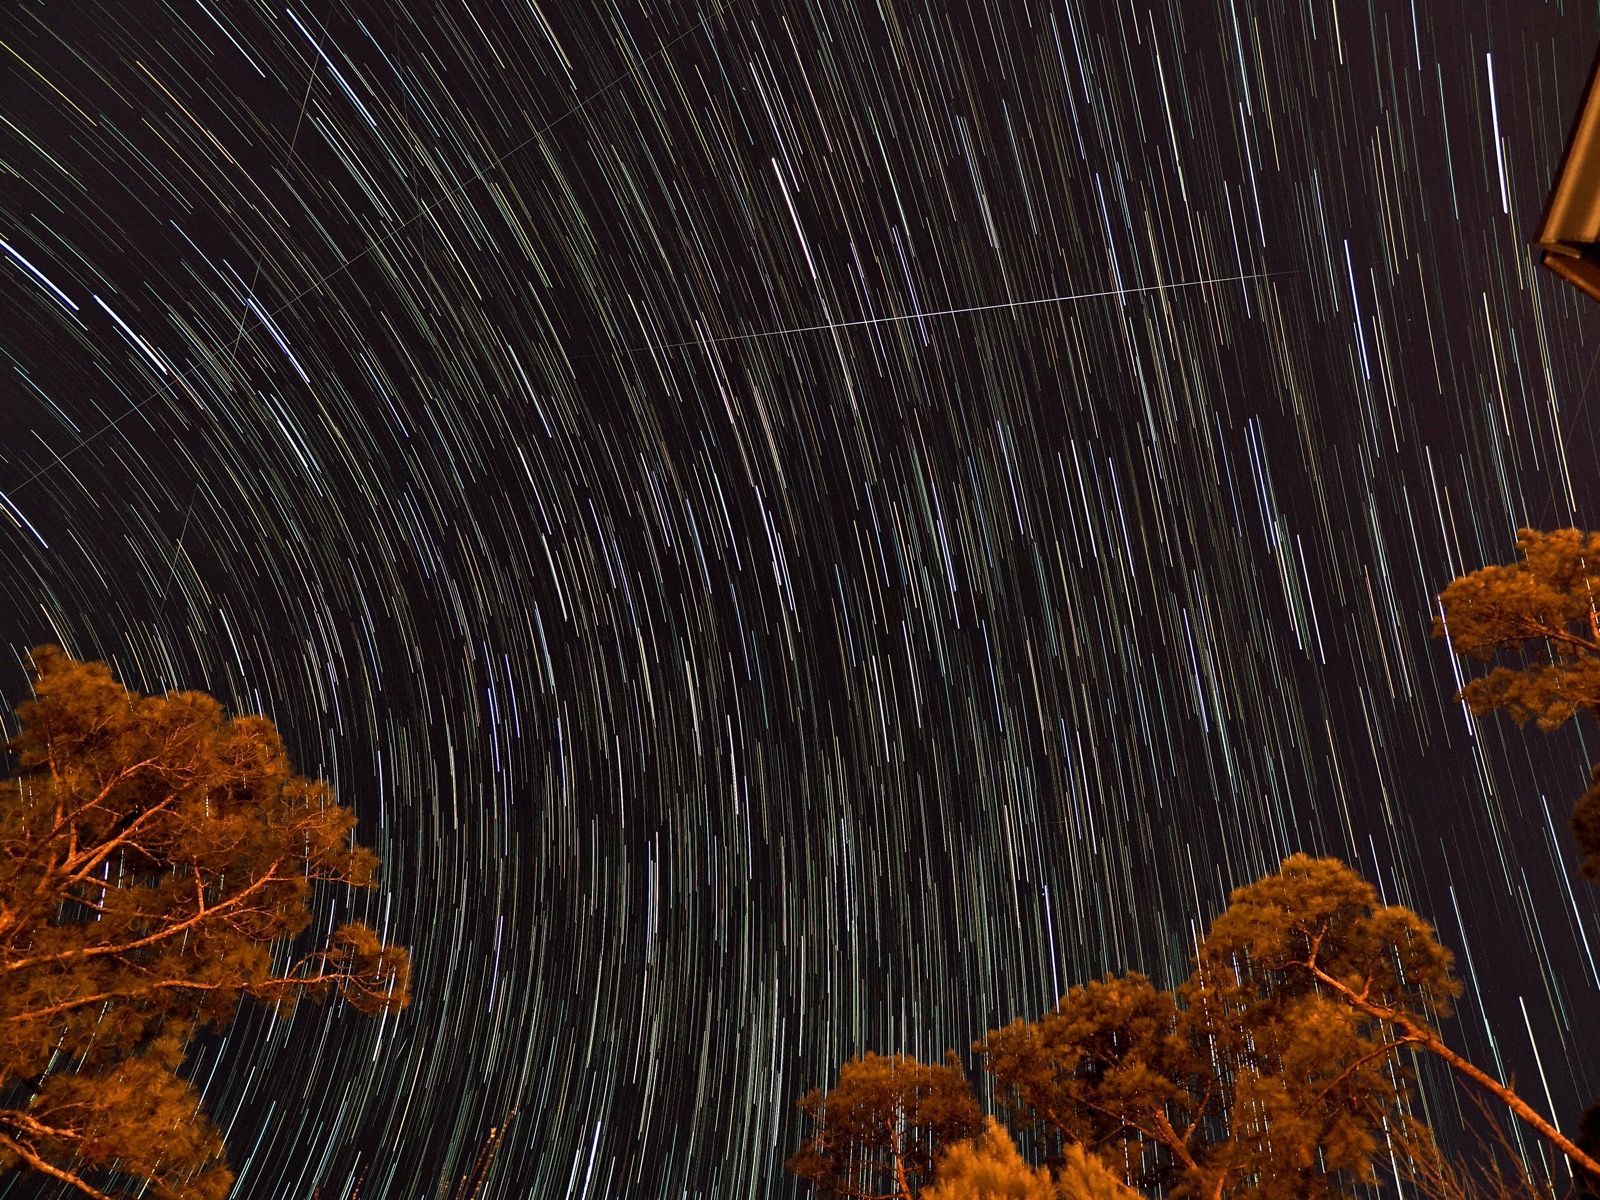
(1317, 931)
(878, 1132)
(1543, 610)
(1274, 1072)
(1208, 1092)
(990, 1168)
(153, 855)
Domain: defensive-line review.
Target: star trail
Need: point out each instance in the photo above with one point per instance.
(801, 528)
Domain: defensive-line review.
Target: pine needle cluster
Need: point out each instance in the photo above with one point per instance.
(155, 858)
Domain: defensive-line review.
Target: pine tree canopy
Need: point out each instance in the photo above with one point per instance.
(1243, 1082)
(1542, 609)
(877, 1134)
(157, 862)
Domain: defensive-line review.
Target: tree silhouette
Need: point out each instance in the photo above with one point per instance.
(1543, 610)
(156, 858)
(1589, 1141)
(877, 1134)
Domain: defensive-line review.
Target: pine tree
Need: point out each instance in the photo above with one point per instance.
(1317, 930)
(1202, 1093)
(154, 857)
(878, 1132)
(1542, 610)
(1274, 1072)
(990, 1168)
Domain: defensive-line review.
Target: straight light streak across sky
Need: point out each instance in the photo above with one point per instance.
(951, 312)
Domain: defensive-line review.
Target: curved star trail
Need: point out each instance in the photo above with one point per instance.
(624, 449)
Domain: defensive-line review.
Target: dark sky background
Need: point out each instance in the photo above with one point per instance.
(801, 528)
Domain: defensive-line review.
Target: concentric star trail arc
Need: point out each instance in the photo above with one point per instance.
(726, 700)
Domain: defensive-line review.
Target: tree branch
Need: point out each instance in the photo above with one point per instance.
(1177, 1144)
(1550, 634)
(260, 989)
(161, 935)
(92, 860)
(1345, 1074)
(1163, 1135)
(50, 1169)
(15, 1116)
(1425, 1037)
(1199, 1112)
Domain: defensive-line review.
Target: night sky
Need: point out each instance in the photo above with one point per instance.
(801, 528)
